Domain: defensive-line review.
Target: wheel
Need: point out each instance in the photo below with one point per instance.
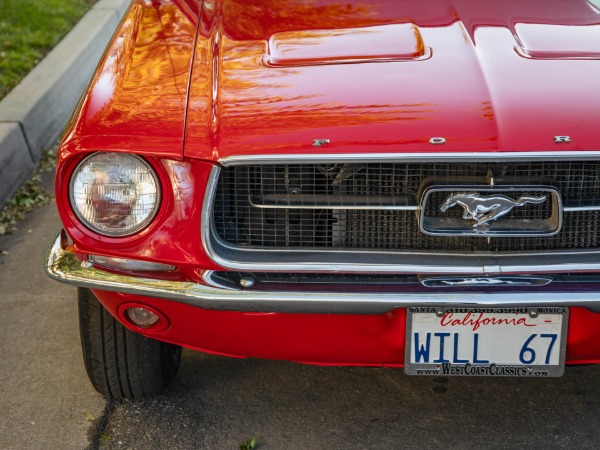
(122, 364)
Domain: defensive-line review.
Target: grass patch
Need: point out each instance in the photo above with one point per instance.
(29, 29)
(30, 196)
(249, 444)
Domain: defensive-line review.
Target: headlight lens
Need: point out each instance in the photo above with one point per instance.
(114, 194)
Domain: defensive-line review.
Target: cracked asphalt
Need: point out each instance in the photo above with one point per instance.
(216, 402)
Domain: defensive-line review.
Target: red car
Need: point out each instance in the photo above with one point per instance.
(377, 183)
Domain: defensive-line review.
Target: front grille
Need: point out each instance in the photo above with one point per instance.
(250, 205)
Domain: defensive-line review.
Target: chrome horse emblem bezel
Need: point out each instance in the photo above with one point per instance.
(485, 210)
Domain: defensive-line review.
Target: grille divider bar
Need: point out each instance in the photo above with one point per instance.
(323, 201)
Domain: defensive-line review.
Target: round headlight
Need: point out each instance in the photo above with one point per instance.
(114, 194)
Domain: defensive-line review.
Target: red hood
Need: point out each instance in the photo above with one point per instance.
(270, 76)
(137, 99)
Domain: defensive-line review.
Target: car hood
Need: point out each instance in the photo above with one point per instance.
(273, 76)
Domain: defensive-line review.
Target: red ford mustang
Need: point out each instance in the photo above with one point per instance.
(381, 183)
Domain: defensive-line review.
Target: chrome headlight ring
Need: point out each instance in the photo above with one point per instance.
(114, 194)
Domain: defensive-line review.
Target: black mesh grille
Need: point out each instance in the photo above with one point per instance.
(238, 222)
(315, 278)
(353, 282)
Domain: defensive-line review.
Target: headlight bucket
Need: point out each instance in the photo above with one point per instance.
(114, 194)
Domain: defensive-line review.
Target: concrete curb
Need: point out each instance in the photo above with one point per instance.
(34, 113)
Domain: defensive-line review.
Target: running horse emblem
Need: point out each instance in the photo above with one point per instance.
(484, 209)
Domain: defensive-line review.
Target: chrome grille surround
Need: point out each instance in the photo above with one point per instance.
(540, 220)
(419, 259)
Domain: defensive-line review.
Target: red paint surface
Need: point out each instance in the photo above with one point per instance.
(482, 89)
(330, 339)
(137, 99)
(476, 89)
(174, 235)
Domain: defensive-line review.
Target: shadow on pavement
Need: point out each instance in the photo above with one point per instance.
(218, 402)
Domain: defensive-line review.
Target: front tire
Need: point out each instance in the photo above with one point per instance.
(122, 364)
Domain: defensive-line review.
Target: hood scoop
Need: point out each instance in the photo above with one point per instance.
(542, 41)
(395, 42)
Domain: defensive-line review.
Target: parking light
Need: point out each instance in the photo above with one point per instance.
(142, 317)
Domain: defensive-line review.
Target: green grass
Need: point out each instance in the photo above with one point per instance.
(249, 444)
(28, 30)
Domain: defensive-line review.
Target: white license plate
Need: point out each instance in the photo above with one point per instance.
(486, 342)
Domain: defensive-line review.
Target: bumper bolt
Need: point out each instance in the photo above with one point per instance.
(439, 313)
(533, 313)
(247, 282)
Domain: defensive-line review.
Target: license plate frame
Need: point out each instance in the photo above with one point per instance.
(490, 367)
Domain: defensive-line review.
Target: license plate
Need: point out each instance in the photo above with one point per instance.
(526, 342)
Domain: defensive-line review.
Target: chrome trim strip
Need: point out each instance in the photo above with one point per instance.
(316, 201)
(491, 156)
(62, 265)
(582, 204)
(394, 203)
(581, 208)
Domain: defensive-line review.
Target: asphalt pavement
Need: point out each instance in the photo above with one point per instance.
(46, 400)
(217, 402)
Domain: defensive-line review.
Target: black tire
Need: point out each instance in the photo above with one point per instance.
(122, 364)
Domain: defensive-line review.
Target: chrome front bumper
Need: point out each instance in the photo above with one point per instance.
(62, 265)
